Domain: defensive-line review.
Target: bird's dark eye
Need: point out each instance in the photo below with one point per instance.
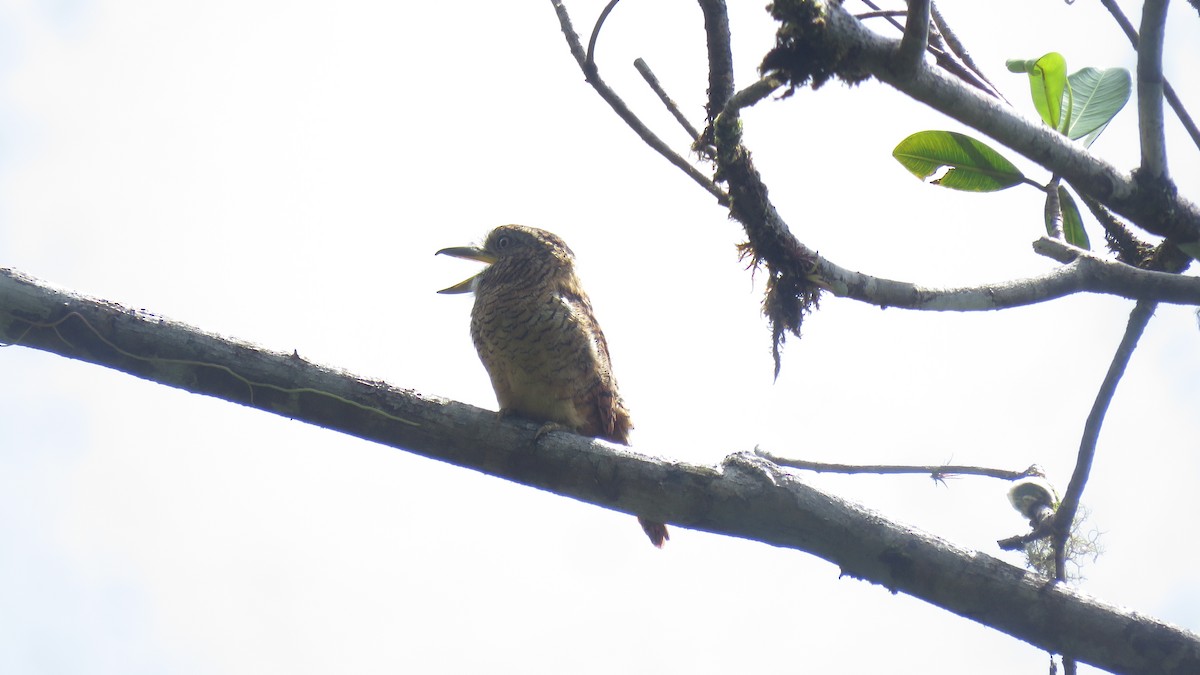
(503, 242)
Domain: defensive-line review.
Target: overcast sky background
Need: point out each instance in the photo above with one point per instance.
(282, 173)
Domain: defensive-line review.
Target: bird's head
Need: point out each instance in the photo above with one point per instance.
(515, 255)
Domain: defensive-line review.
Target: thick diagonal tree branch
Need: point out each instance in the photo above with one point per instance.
(743, 497)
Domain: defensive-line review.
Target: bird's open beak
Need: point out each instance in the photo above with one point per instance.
(470, 253)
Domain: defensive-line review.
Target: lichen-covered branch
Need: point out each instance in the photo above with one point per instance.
(1082, 272)
(745, 496)
(792, 290)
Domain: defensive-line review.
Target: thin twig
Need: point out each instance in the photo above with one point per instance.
(937, 471)
(648, 76)
(958, 49)
(751, 95)
(1138, 319)
(888, 15)
(944, 59)
(1150, 89)
(610, 97)
(1172, 98)
(946, 62)
(591, 50)
(1082, 272)
(881, 14)
(1021, 541)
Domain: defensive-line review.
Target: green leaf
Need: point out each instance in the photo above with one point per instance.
(1099, 96)
(973, 166)
(1047, 85)
(1072, 221)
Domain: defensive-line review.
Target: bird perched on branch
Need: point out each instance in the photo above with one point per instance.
(533, 327)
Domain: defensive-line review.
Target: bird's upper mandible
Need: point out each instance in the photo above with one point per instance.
(517, 255)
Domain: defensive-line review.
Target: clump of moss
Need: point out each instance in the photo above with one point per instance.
(805, 53)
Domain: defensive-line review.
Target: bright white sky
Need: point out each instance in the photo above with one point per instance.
(283, 173)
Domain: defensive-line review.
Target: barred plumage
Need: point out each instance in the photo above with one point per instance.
(537, 336)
